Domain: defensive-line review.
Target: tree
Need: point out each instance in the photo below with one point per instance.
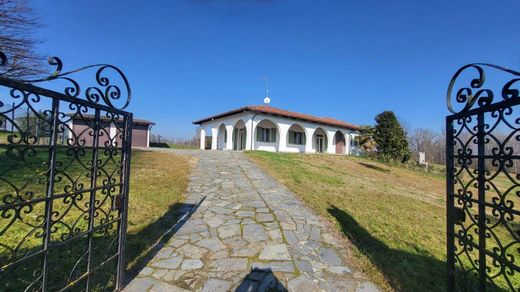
(366, 139)
(423, 140)
(17, 26)
(390, 137)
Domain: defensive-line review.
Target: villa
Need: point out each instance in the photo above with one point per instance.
(272, 129)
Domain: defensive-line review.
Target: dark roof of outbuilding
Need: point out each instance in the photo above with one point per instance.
(91, 117)
(266, 109)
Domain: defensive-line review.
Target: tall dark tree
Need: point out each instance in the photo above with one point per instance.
(390, 137)
(17, 26)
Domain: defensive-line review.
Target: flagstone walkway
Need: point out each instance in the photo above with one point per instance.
(249, 234)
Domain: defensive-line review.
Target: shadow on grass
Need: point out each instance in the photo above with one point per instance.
(160, 145)
(405, 271)
(67, 260)
(374, 167)
(156, 235)
(260, 280)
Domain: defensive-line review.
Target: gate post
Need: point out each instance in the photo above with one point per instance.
(449, 204)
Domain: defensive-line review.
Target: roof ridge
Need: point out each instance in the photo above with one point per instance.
(268, 109)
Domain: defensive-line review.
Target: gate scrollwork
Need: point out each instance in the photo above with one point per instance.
(64, 179)
(483, 179)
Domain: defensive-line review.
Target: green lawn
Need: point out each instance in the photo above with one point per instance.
(157, 186)
(393, 217)
(173, 145)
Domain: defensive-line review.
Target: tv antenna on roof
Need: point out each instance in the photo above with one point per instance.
(265, 77)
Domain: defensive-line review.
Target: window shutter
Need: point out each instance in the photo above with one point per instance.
(273, 135)
(259, 134)
(225, 136)
(291, 137)
(303, 139)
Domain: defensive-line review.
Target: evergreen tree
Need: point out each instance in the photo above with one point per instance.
(390, 137)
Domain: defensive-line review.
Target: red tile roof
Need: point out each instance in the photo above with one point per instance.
(265, 109)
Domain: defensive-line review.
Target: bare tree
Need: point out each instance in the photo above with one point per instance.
(427, 141)
(17, 26)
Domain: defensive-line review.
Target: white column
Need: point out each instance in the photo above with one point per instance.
(250, 128)
(331, 148)
(308, 140)
(229, 142)
(347, 143)
(214, 134)
(202, 139)
(282, 144)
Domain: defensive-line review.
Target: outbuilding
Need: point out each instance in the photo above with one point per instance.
(79, 125)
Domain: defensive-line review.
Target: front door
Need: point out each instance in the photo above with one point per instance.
(319, 143)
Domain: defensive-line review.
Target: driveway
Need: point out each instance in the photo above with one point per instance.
(247, 233)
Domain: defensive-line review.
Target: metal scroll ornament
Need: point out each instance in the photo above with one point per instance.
(475, 92)
(105, 92)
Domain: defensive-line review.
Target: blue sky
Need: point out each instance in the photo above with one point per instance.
(344, 59)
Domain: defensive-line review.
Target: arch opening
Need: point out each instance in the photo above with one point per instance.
(339, 142)
(239, 135)
(296, 138)
(319, 140)
(267, 136)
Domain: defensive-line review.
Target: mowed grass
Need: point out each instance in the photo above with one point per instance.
(393, 217)
(157, 187)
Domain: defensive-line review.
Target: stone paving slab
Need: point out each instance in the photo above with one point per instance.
(249, 233)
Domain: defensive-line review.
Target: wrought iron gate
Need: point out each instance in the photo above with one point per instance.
(483, 179)
(64, 178)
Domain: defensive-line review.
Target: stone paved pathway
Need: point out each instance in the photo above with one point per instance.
(249, 234)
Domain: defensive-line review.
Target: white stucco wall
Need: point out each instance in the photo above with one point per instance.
(251, 121)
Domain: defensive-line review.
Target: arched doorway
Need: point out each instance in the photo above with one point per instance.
(239, 135)
(339, 140)
(267, 136)
(319, 140)
(221, 137)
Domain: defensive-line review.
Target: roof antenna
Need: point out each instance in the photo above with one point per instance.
(267, 100)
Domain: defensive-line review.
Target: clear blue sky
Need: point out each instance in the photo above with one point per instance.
(343, 59)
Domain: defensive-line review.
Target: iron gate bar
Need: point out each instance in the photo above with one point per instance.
(481, 198)
(116, 153)
(93, 181)
(50, 191)
(124, 205)
(476, 105)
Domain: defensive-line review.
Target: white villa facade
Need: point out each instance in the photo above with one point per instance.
(271, 129)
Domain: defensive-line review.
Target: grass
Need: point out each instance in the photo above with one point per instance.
(157, 187)
(393, 217)
(173, 145)
(3, 136)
